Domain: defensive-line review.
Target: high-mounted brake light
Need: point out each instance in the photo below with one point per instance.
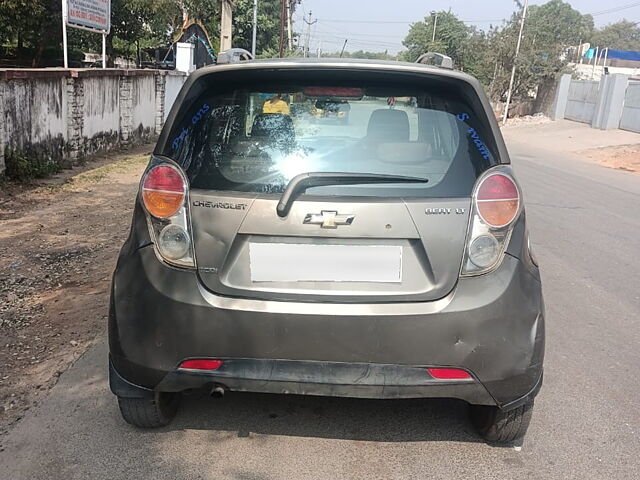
(163, 191)
(498, 200)
(343, 92)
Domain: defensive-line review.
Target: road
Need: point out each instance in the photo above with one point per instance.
(585, 227)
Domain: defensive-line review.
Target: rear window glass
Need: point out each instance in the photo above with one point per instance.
(255, 138)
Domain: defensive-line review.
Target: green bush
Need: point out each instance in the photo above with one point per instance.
(22, 167)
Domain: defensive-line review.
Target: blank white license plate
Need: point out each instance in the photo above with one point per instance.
(280, 262)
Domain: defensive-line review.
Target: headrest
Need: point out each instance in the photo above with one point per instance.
(387, 125)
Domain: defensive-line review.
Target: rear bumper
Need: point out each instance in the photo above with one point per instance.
(492, 326)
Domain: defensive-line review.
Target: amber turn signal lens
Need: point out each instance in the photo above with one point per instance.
(163, 191)
(162, 204)
(498, 213)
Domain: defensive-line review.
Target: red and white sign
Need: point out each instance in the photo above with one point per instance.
(90, 14)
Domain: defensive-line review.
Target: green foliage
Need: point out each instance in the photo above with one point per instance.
(549, 30)
(450, 36)
(464, 44)
(268, 33)
(22, 167)
(34, 26)
(623, 35)
(361, 54)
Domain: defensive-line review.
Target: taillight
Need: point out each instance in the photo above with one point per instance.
(163, 191)
(164, 196)
(496, 206)
(498, 200)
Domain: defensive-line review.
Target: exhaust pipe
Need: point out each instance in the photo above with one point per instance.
(217, 392)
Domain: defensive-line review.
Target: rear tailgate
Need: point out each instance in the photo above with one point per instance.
(390, 242)
(428, 247)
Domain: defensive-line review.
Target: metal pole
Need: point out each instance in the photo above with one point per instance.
(595, 62)
(606, 53)
(515, 58)
(64, 34)
(255, 28)
(104, 50)
(435, 22)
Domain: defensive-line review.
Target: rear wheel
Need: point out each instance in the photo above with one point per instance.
(151, 412)
(498, 426)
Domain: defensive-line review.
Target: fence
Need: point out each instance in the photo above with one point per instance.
(612, 102)
(53, 117)
(631, 111)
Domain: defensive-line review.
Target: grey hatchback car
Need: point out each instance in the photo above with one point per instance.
(386, 256)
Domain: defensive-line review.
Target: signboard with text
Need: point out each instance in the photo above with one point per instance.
(92, 15)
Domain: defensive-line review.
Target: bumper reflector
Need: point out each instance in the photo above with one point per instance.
(201, 364)
(449, 373)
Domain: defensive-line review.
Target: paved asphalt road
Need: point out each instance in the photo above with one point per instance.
(585, 222)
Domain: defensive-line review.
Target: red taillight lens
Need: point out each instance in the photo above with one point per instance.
(163, 191)
(498, 200)
(201, 364)
(449, 373)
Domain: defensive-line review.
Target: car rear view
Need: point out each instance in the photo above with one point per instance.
(385, 255)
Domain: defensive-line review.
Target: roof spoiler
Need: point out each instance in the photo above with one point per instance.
(436, 59)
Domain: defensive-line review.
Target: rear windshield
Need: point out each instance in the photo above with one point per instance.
(255, 137)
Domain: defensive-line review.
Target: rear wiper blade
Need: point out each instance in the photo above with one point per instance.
(300, 183)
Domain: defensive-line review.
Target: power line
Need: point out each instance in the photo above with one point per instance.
(375, 35)
(616, 9)
(404, 22)
(328, 38)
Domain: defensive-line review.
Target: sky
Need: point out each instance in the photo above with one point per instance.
(379, 25)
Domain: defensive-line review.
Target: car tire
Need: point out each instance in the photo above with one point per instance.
(151, 412)
(498, 426)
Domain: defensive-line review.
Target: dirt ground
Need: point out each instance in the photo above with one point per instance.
(59, 240)
(625, 157)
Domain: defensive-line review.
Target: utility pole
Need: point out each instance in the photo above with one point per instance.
(226, 21)
(515, 60)
(435, 23)
(308, 37)
(282, 15)
(64, 34)
(344, 45)
(255, 28)
(289, 32)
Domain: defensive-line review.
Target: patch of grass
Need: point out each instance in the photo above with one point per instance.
(120, 166)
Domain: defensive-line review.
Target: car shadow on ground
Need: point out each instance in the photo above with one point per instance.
(414, 420)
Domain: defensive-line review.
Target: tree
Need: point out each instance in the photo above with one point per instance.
(450, 36)
(466, 45)
(622, 35)
(549, 30)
